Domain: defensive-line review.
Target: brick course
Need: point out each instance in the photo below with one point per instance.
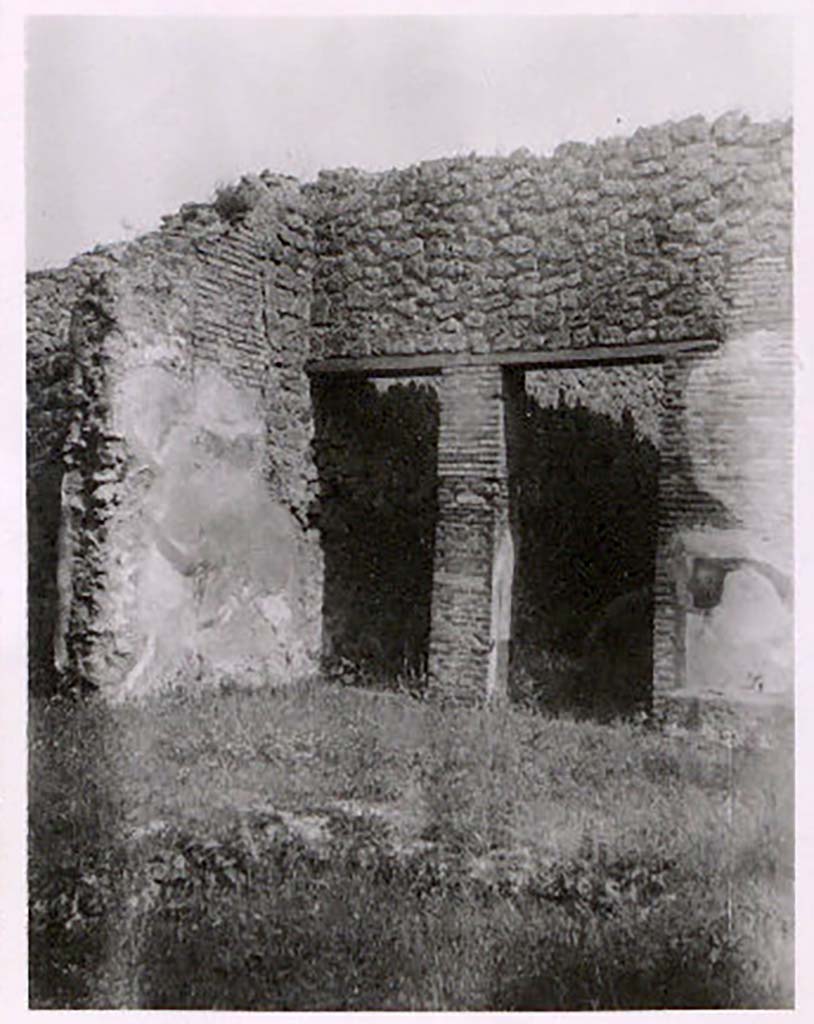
(473, 516)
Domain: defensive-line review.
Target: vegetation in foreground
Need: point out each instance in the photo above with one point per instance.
(507, 860)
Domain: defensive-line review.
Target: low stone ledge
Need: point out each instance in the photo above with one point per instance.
(749, 719)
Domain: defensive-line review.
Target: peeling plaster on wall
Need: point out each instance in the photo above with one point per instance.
(746, 643)
(749, 427)
(501, 620)
(213, 556)
(736, 425)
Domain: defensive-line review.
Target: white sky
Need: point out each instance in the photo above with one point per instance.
(127, 118)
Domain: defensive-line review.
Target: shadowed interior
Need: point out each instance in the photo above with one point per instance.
(376, 453)
(585, 490)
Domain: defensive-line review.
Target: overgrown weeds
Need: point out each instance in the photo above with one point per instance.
(329, 848)
(233, 202)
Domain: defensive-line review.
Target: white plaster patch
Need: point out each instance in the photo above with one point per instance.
(745, 643)
(501, 612)
(147, 403)
(275, 610)
(215, 580)
(739, 414)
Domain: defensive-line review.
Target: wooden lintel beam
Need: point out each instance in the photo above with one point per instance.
(416, 365)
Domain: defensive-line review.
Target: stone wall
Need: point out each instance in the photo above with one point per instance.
(625, 241)
(50, 367)
(185, 545)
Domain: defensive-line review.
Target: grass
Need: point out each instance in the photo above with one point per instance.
(506, 860)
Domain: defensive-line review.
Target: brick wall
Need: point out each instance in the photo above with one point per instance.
(188, 475)
(473, 546)
(726, 483)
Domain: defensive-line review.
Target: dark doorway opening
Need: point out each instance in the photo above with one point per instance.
(376, 454)
(585, 494)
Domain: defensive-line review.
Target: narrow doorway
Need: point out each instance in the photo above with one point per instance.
(585, 493)
(376, 454)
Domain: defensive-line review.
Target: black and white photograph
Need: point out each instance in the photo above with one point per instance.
(409, 512)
